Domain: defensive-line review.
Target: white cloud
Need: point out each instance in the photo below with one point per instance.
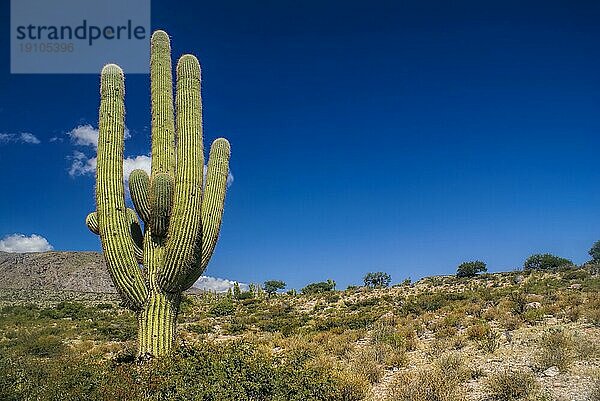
(23, 137)
(84, 135)
(87, 135)
(208, 283)
(81, 164)
(138, 162)
(21, 243)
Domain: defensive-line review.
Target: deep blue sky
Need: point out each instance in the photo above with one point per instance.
(403, 136)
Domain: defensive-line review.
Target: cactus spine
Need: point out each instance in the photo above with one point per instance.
(181, 214)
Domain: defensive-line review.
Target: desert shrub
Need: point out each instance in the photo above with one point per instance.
(533, 316)
(232, 371)
(352, 387)
(440, 382)
(443, 331)
(545, 261)
(20, 315)
(486, 337)
(594, 394)
(592, 310)
(426, 302)
(200, 328)
(518, 300)
(556, 349)
(246, 295)
(316, 288)
(71, 310)
(579, 274)
(364, 304)
(510, 385)
(39, 345)
(377, 280)
(363, 362)
(223, 307)
(115, 329)
(509, 322)
(452, 366)
(470, 269)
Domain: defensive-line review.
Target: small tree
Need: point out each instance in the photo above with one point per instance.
(271, 286)
(470, 269)
(594, 252)
(236, 290)
(545, 261)
(315, 288)
(377, 279)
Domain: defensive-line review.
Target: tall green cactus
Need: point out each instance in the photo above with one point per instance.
(181, 213)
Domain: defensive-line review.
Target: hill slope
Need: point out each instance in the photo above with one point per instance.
(55, 271)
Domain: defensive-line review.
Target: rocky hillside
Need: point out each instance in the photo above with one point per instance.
(55, 271)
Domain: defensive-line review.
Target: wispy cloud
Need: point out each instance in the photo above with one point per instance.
(19, 243)
(208, 283)
(81, 164)
(23, 137)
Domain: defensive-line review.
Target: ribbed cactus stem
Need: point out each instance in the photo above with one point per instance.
(161, 88)
(185, 225)
(113, 221)
(139, 188)
(212, 208)
(156, 324)
(161, 199)
(181, 222)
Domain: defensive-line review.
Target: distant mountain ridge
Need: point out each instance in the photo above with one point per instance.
(56, 271)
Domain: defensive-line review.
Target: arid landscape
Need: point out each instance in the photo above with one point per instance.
(520, 335)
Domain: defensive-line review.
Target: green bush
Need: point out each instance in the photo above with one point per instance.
(233, 371)
(470, 269)
(377, 280)
(316, 288)
(546, 261)
(223, 307)
(594, 252)
(271, 286)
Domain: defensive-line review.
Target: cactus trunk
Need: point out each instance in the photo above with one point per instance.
(181, 214)
(156, 324)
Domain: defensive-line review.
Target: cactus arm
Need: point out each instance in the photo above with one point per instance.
(161, 84)
(185, 223)
(91, 221)
(212, 207)
(112, 214)
(136, 235)
(161, 199)
(139, 187)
